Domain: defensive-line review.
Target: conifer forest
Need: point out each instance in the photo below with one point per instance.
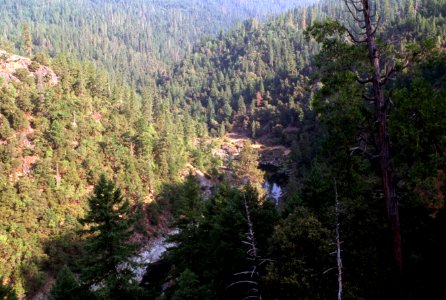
(222, 149)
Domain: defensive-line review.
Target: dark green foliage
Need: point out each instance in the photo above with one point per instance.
(418, 123)
(249, 93)
(188, 206)
(350, 154)
(418, 127)
(189, 287)
(67, 287)
(300, 246)
(109, 223)
(6, 292)
(5, 128)
(213, 249)
(108, 249)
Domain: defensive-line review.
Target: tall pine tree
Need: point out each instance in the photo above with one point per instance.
(108, 248)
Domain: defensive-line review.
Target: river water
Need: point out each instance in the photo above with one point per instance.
(274, 183)
(150, 254)
(273, 191)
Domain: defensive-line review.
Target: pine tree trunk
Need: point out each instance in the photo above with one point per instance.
(390, 198)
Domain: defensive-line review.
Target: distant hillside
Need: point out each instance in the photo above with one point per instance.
(129, 38)
(256, 77)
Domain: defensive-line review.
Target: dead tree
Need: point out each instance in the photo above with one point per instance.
(338, 242)
(365, 18)
(251, 276)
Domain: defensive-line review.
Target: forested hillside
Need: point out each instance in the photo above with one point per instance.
(59, 132)
(272, 84)
(128, 38)
(178, 122)
(256, 77)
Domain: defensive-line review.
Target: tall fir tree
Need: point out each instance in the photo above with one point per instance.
(108, 249)
(27, 40)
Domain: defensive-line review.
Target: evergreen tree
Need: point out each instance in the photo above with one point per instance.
(108, 248)
(67, 287)
(241, 106)
(189, 204)
(222, 130)
(247, 167)
(27, 40)
(5, 128)
(189, 287)
(301, 254)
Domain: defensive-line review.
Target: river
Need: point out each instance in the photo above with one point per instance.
(273, 191)
(150, 254)
(274, 183)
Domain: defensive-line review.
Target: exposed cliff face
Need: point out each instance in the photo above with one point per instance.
(11, 63)
(14, 69)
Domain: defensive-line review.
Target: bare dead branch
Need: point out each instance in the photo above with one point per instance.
(250, 230)
(354, 15)
(338, 242)
(367, 98)
(252, 297)
(252, 256)
(354, 39)
(262, 261)
(355, 5)
(242, 282)
(389, 102)
(329, 270)
(243, 273)
(386, 77)
(364, 153)
(363, 81)
(353, 30)
(376, 26)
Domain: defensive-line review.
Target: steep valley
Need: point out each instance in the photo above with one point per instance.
(222, 149)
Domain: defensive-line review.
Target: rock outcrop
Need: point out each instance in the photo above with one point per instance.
(11, 63)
